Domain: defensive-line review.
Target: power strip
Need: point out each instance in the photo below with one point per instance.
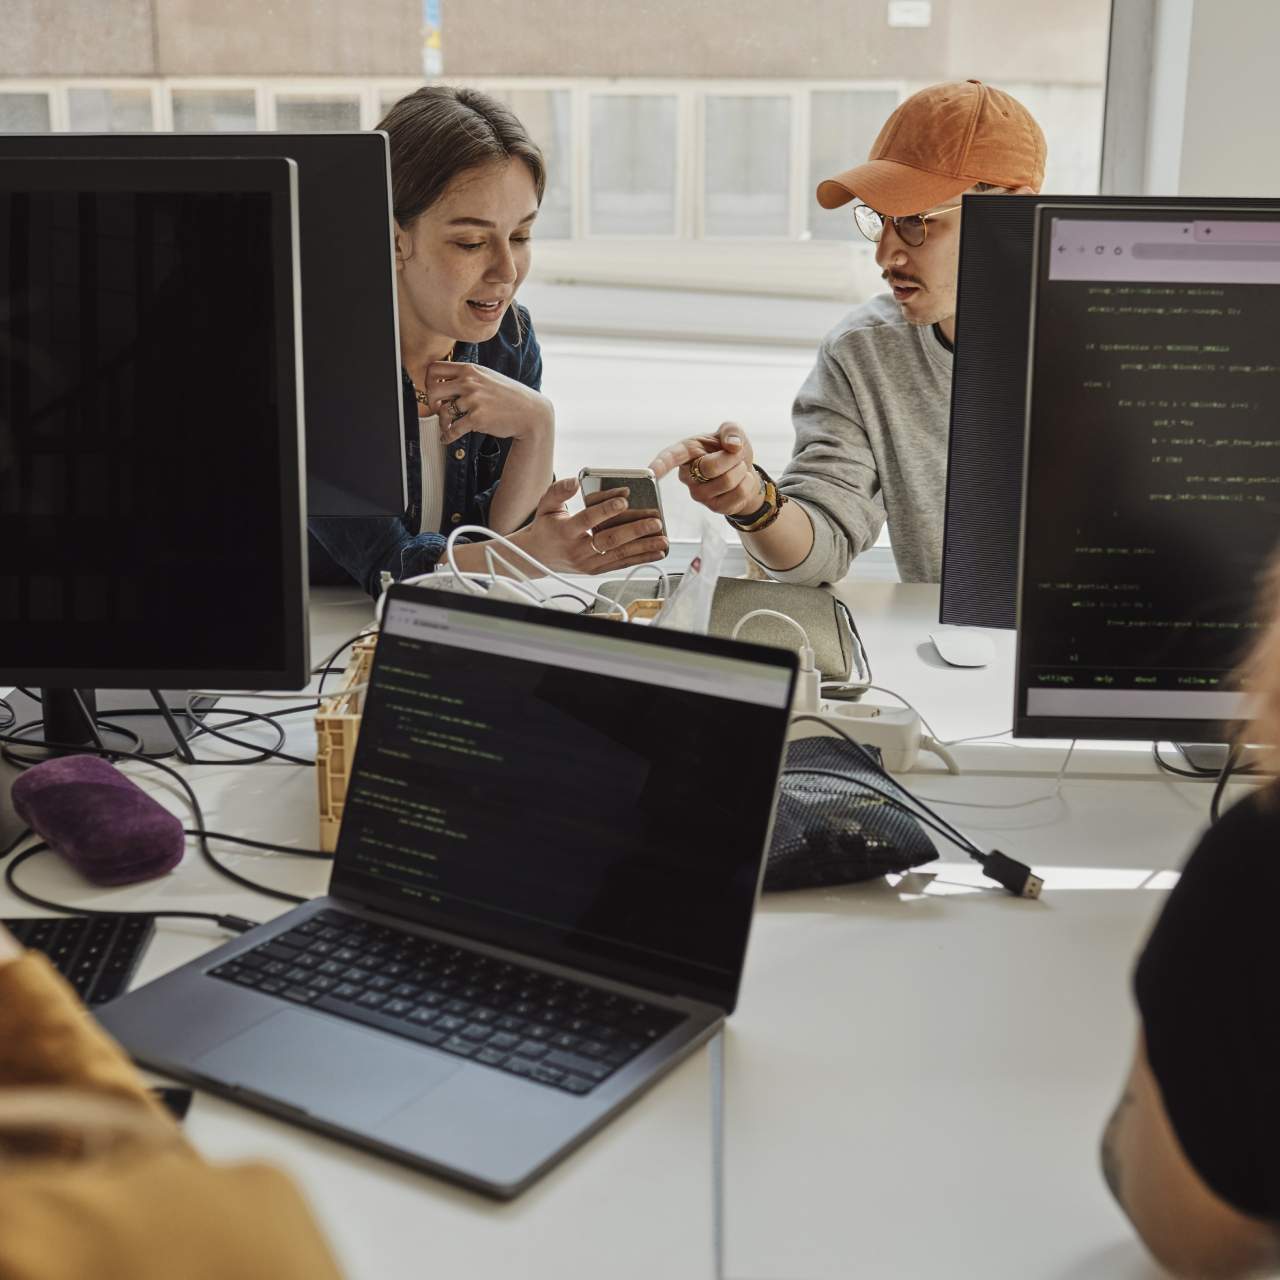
(895, 730)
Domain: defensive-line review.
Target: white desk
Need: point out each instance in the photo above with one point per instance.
(635, 1203)
(914, 1083)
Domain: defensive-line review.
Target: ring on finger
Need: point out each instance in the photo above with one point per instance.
(696, 472)
(458, 414)
(595, 548)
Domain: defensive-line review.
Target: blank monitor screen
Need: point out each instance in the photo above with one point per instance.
(1153, 469)
(989, 398)
(354, 404)
(151, 522)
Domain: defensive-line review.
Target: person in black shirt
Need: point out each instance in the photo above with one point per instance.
(1192, 1152)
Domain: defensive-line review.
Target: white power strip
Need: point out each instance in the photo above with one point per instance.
(895, 730)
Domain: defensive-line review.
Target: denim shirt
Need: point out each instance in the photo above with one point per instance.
(363, 546)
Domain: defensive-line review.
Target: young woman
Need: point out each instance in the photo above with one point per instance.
(466, 184)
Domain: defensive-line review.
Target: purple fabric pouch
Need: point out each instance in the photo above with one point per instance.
(105, 826)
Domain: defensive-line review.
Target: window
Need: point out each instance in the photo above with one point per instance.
(214, 111)
(748, 166)
(110, 110)
(633, 165)
(547, 116)
(843, 125)
(318, 113)
(24, 113)
(386, 100)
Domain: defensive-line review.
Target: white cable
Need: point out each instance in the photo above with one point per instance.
(773, 613)
(506, 542)
(664, 587)
(807, 697)
(1020, 804)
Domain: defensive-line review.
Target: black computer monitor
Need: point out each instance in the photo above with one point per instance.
(351, 349)
(1152, 497)
(989, 399)
(152, 527)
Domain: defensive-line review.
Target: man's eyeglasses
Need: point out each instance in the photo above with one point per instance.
(913, 229)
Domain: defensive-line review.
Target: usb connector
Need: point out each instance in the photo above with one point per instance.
(1012, 874)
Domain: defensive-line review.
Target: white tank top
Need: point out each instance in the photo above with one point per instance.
(433, 456)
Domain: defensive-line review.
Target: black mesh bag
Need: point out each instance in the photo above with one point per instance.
(830, 829)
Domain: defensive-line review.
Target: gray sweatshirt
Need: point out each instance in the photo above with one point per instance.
(872, 418)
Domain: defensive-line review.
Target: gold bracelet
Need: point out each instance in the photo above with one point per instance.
(776, 502)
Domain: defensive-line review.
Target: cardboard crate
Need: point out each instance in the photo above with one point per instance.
(337, 728)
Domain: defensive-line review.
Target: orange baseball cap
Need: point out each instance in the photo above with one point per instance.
(939, 143)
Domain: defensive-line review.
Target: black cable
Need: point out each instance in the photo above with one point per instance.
(11, 739)
(262, 844)
(568, 595)
(1015, 876)
(13, 715)
(263, 753)
(237, 924)
(13, 844)
(201, 843)
(1196, 771)
(35, 697)
(1227, 769)
(260, 755)
(891, 800)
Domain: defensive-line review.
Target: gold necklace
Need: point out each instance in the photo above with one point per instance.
(420, 395)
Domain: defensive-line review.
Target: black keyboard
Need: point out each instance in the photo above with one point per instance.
(98, 955)
(551, 1030)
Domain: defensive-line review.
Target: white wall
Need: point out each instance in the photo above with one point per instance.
(1230, 142)
(1191, 101)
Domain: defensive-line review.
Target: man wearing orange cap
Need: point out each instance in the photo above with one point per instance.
(872, 419)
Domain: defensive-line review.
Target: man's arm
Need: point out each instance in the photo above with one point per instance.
(1189, 1229)
(730, 486)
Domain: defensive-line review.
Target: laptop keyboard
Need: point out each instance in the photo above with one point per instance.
(551, 1030)
(96, 954)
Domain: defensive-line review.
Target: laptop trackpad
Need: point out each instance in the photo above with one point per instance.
(329, 1068)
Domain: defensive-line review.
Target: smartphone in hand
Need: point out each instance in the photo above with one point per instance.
(644, 501)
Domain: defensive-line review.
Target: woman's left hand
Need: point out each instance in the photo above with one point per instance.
(469, 397)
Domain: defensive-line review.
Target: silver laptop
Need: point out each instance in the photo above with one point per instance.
(550, 852)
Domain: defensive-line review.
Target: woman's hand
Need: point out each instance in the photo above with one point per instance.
(729, 484)
(581, 542)
(469, 397)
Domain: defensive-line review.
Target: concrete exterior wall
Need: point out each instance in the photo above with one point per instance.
(1062, 42)
(210, 37)
(289, 37)
(673, 38)
(1048, 41)
(76, 38)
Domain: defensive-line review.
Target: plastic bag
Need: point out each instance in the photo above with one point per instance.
(689, 608)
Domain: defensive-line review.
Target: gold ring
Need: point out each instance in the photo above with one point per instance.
(696, 472)
(594, 547)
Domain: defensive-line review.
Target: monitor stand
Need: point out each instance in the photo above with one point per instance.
(158, 717)
(1208, 757)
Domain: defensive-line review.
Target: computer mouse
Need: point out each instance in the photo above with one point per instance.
(962, 647)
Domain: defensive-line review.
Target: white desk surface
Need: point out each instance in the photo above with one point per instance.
(916, 1076)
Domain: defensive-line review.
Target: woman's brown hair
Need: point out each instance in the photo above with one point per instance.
(439, 132)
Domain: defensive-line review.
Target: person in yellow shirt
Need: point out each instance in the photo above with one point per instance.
(96, 1179)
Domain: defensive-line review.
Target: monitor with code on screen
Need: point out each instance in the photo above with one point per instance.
(1152, 496)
